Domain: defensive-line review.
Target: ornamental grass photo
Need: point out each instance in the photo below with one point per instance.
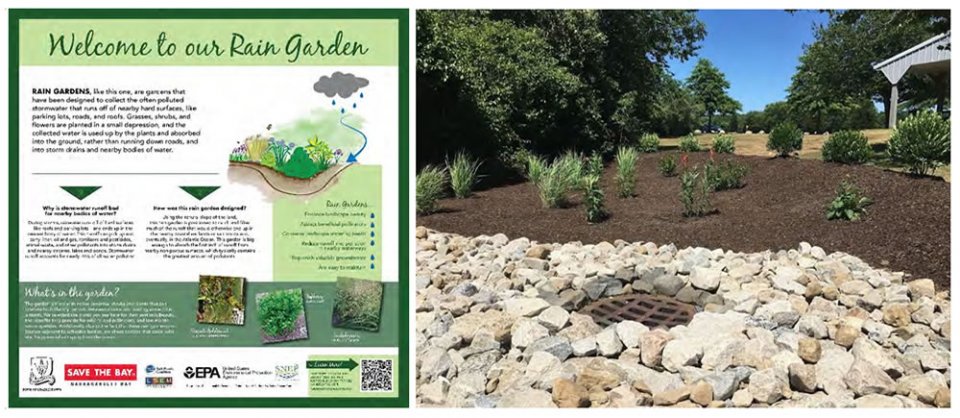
(358, 304)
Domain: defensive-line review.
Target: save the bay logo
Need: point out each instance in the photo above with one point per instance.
(41, 371)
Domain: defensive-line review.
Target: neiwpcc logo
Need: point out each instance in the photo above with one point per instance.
(202, 372)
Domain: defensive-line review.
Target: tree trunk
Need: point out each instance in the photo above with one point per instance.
(886, 109)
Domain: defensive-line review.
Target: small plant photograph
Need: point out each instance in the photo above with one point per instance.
(358, 304)
(282, 316)
(221, 300)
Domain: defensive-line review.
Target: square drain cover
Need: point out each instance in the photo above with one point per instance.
(650, 310)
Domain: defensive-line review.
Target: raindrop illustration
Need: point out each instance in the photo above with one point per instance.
(354, 105)
(342, 110)
(361, 95)
(333, 102)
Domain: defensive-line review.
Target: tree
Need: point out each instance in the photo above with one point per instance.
(837, 66)
(709, 87)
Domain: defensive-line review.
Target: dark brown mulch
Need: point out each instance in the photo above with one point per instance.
(783, 203)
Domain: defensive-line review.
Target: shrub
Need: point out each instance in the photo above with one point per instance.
(626, 171)
(849, 204)
(724, 144)
(594, 165)
(694, 193)
(300, 165)
(278, 311)
(593, 197)
(667, 166)
(648, 143)
(463, 174)
(847, 147)
(784, 139)
(535, 167)
(558, 179)
(922, 142)
(689, 143)
(319, 150)
(724, 175)
(430, 184)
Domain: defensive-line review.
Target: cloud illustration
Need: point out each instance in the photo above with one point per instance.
(340, 84)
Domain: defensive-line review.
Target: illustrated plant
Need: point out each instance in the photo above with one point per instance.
(281, 151)
(689, 143)
(358, 304)
(300, 165)
(724, 175)
(784, 139)
(667, 166)
(593, 199)
(922, 142)
(694, 193)
(724, 144)
(239, 154)
(846, 147)
(648, 142)
(268, 160)
(463, 174)
(256, 147)
(319, 151)
(558, 179)
(849, 204)
(337, 155)
(626, 171)
(279, 311)
(430, 185)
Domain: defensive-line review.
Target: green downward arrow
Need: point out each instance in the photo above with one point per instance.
(80, 192)
(199, 192)
(332, 364)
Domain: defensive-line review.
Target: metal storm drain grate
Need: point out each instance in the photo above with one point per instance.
(650, 310)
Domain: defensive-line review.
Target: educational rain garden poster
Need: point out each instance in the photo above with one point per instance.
(208, 207)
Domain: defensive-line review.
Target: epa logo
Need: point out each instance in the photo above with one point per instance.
(203, 372)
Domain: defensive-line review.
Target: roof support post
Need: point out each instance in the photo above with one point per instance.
(894, 98)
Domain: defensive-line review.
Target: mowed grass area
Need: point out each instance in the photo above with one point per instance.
(755, 144)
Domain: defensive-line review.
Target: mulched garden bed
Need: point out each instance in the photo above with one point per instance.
(783, 203)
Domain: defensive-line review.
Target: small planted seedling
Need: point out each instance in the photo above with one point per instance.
(667, 166)
(849, 204)
(220, 300)
(358, 304)
(282, 316)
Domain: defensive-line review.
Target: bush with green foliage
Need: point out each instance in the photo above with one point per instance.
(724, 175)
(846, 147)
(593, 199)
(278, 311)
(300, 165)
(921, 142)
(849, 204)
(648, 142)
(694, 193)
(785, 138)
(430, 185)
(626, 171)
(557, 180)
(690, 143)
(463, 174)
(667, 166)
(724, 144)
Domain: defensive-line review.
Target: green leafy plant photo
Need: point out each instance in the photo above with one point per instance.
(430, 185)
(921, 142)
(690, 143)
(626, 171)
(849, 204)
(648, 142)
(846, 147)
(279, 313)
(667, 166)
(463, 174)
(785, 139)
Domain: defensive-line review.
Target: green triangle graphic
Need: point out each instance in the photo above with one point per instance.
(80, 192)
(199, 192)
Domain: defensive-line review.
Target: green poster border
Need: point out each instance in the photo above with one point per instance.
(15, 15)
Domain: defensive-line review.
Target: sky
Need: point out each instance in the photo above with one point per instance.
(758, 51)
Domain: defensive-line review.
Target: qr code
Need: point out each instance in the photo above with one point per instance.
(376, 375)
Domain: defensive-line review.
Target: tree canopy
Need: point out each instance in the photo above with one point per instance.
(709, 87)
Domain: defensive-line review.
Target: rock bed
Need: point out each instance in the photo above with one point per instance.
(497, 327)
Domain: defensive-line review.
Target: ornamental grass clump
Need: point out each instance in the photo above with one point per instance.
(558, 179)
(689, 143)
(594, 165)
(463, 174)
(921, 142)
(626, 171)
(849, 204)
(694, 193)
(784, 139)
(667, 166)
(593, 199)
(430, 185)
(724, 144)
(358, 304)
(648, 142)
(846, 147)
